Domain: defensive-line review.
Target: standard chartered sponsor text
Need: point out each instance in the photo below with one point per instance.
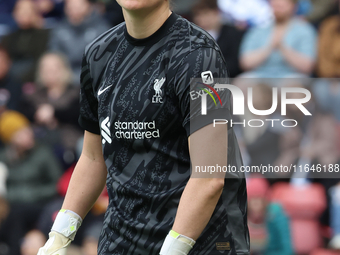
(136, 130)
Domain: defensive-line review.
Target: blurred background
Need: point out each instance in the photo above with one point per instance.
(293, 42)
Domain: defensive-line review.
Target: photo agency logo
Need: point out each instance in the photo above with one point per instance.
(214, 90)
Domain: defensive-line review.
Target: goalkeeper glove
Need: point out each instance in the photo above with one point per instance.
(62, 233)
(176, 244)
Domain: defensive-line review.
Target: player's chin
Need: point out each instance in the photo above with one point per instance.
(132, 5)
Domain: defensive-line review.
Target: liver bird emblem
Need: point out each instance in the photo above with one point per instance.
(158, 87)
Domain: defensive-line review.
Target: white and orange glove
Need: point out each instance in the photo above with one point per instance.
(62, 233)
(176, 244)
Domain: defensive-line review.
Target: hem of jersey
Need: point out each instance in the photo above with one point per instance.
(89, 125)
(203, 120)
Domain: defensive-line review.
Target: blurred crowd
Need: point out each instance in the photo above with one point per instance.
(269, 43)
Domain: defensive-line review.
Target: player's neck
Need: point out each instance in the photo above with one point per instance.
(142, 25)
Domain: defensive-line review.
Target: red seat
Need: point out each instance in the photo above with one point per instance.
(304, 206)
(306, 202)
(305, 235)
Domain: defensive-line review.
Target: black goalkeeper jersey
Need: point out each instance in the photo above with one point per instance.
(136, 95)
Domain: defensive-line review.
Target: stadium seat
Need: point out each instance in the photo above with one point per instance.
(304, 206)
(306, 202)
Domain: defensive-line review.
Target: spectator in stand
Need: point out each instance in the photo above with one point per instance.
(81, 26)
(28, 43)
(285, 48)
(268, 223)
(262, 143)
(51, 10)
(8, 85)
(33, 172)
(328, 64)
(54, 106)
(324, 149)
(294, 140)
(207, 15)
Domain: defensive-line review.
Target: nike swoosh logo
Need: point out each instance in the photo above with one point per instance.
(101, 91)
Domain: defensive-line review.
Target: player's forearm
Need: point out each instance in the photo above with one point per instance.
(197, 205)
(87, 182)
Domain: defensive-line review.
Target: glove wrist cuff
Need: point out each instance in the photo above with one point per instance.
(67, 223)
(176, 244)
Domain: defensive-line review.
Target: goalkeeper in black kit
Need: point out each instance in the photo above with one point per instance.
(142, 137)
